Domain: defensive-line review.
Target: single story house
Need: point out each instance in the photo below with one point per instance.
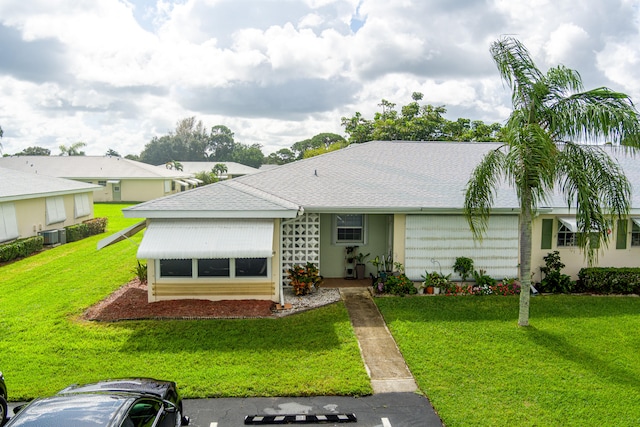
(31, 204)
(234, 169)
(118, 179)
(404, 200)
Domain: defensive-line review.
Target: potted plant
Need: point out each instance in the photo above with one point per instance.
(435, 283)
(360, 266)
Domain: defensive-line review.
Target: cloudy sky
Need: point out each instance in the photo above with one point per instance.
(115, 73)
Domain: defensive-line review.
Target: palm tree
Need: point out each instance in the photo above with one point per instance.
(551, 115)
(73, 149)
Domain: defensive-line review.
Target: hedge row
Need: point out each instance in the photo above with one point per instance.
(20, 248)
(88, 228)
(608, 280)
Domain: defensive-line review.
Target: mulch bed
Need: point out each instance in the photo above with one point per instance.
(130, 303)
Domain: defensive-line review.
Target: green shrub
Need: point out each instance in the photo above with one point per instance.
(464, 267)
(20, 248)
(554, 281)
(141, 272)
(609, 280)
(399, 285)
(87, 228)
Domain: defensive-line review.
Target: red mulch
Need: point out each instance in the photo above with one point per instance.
(130, 303)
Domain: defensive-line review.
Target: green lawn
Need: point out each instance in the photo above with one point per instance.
(577, 365)
(45, 346)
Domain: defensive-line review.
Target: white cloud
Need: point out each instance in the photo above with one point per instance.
(114, 73)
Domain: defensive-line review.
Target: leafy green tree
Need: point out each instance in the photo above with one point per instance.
(113, 153)
(188, 142)
(416, 122)
(174, 165)
(73, 149)
(34, 151)
(551, 114)
(134, 157)
(221, 144)
(321, 150)
(250, 155)
(280, 157)
(206, 177)
(321, 141)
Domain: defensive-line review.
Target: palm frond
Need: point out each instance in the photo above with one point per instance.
(598, 115)
(595, 185)
(531, 162)
(516, 68)
(481, 191)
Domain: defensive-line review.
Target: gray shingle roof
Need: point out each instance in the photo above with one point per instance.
(233, 168)
(17, 185)
(378, 176)
(89, 167)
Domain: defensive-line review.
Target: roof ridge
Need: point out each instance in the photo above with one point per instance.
(252, 191)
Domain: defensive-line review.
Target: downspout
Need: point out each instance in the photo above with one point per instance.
(280, 281)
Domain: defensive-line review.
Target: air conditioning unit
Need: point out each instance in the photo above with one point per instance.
(50, 237)
(62, 236)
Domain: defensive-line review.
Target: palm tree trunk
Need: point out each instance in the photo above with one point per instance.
(525, 256)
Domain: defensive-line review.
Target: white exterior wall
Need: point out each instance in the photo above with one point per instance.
(433, 242)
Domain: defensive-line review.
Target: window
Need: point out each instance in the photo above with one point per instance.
(251, 267)
(82, 207)
(55, 211)
(635, 234)
(103, 183)
(213, 267)
(349, 228)
(219, 267)
(566, 237)
(8, 222)
(176, 268)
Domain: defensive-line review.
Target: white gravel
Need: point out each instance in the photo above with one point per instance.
(320, 297)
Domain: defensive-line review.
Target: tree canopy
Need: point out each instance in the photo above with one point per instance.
(34, 151)
(551, 116)
(190, 141)
(73, 149)
(416, 122)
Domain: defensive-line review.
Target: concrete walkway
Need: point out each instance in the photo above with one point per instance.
(385, 365)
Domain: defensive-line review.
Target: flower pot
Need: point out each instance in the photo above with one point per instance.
(436, 291)
(360, 271)
(428, 290)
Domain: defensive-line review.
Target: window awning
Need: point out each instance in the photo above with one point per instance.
(113, 181)
(207, 238)
(636, 221)
(177, 181)
(191, 181)
(570, 223)
(121, 235)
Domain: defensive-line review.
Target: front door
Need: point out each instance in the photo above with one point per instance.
(116, 192)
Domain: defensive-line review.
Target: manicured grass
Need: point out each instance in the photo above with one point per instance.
(577, 365)
(44, 345)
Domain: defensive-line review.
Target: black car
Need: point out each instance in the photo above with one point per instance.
(132, 402)
(3, 401)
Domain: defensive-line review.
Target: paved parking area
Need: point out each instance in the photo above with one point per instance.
(378, 410)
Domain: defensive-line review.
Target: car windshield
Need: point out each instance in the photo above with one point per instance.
(71, 410)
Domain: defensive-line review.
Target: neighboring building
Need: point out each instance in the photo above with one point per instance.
(234, 169)
(32, 204)
(236, 239)
(119, 179)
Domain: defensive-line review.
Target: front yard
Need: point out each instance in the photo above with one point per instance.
(577, 364)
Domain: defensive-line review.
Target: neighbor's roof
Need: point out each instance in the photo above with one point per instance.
(378, 176)
(17, 185)
(224, 199)
(89, 167)
(233, 168)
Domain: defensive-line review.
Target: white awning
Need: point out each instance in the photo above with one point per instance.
(570, 222)
(121, 235)
(113, 181)
(207, 238)
(177, 181)
(191, 181)
(636, 221)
